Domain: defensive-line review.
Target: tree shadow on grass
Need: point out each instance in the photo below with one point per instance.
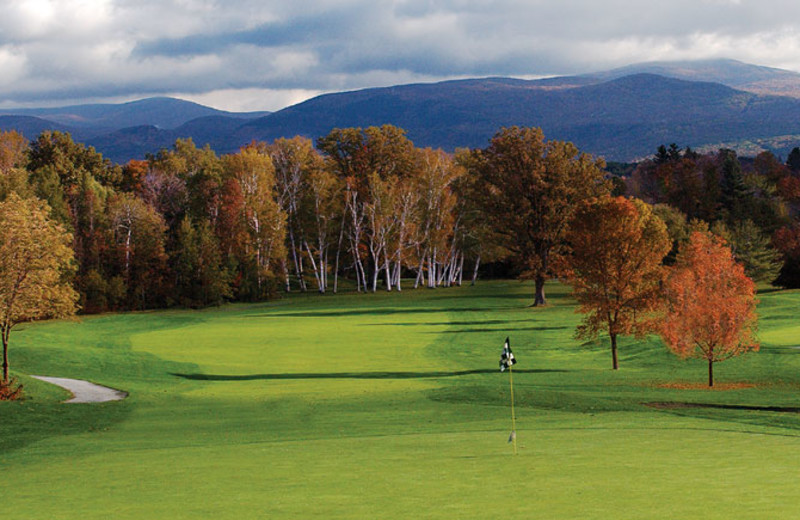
(443, 323)
(367, 312)
(671, 405)
(504, 331)
(353, 375)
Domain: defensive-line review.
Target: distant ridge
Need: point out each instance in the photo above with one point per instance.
(623, 114)
(29, 126)
(161, 112)
(621, 119)
(742, 76)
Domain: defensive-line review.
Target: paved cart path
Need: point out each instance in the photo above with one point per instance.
(84, 391)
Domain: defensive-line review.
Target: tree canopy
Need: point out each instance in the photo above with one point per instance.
(615, 266)
(529, 188)
(710, 303)
(35, 267)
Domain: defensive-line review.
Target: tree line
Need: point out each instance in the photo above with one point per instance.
(364, 207)
(367, 209)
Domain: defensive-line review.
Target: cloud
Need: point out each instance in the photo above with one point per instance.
(71, 49)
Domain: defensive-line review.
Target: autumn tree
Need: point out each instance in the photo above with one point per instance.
(615, 266)
(13, 150)
(710, 303)
(139, 233)
(367, 161)
(13, 157)
(323, 206)
(787, 241)
(231, 231)
(437, 222)
(359, 152)
(530, 189)
(295, 161)
(133, 175)
(35, 265)
(264, 222)
(478, 239)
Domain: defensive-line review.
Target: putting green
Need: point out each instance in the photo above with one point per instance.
(391, 406)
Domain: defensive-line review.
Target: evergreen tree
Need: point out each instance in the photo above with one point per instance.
(793, 161)
(753, 249)
(735, 194)
(201, 278)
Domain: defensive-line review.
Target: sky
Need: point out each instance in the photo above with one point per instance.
(247, 55)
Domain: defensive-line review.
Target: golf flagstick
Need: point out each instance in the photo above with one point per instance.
(513, 418)
(507, 360)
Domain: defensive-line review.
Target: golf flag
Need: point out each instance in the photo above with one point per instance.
(507, 357)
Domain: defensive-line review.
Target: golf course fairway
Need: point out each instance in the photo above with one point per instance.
(392, 406)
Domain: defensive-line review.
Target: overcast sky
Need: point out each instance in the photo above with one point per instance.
(265, 54)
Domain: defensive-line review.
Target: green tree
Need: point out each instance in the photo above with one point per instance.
(201, 278)
(736, 196)
(200, 173)
(68, 159)
(753, 249)
(677, 228)
(35, 267)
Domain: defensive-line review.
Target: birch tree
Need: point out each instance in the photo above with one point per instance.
(264, 220)
(139, 233)
(295, 161)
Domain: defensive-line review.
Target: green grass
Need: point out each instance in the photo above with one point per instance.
(391, 406)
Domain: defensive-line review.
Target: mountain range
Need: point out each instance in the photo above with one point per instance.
(622, 114)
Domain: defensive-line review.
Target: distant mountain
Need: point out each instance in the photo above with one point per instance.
(133, 143)
(29, 126)
(732, 73)
(136, 142)
(159, 112)
(621, 119)
(621, 115)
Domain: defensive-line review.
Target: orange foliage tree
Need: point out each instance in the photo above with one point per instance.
(615, 268)
(710, 303)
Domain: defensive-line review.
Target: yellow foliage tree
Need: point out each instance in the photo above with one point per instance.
(36, 262)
